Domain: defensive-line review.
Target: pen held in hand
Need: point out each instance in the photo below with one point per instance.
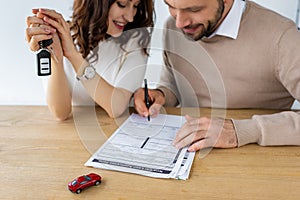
(147, 97)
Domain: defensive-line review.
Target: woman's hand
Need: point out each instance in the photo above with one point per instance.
(57, 21)
(38, 30)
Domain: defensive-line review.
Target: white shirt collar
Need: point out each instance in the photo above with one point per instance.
(231, 24)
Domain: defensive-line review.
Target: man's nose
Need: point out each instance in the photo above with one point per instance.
(182, 19)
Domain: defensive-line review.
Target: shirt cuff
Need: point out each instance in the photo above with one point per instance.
(170, 98)
(247, 131)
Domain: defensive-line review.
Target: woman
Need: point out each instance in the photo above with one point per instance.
(108, 58)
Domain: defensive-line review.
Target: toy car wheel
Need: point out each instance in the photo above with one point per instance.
(78, 191)
(97, 182)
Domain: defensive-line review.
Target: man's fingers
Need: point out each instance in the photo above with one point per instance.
(156, 97)
(139, 102)
(188, 134)
(191, 139)
(154, 109)
(183, 132)
(201, 144)
(194, 130)
(141, 109)
(184, 141)
(206, 132)
(189, 118)
(157, 101)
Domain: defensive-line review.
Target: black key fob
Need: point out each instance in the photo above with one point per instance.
(44, 58)
(44, 62)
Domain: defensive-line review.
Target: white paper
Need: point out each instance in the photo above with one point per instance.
(142, 147)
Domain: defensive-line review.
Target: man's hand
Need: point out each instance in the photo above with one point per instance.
(156, 98)
(206, 132)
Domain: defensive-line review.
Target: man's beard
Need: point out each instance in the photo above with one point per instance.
(211, 27)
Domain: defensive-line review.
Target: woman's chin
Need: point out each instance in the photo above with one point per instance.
(115, 34)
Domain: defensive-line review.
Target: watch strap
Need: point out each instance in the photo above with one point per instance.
(82, 71)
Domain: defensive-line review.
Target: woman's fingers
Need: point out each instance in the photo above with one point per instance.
(36, 33)
(54, 18)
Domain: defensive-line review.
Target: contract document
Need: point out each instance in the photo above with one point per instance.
(145, 147)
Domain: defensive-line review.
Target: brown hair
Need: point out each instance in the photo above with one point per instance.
(89, 24)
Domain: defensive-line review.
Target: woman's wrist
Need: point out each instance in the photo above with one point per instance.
(71, 53)
(77, 60)
(57, 67)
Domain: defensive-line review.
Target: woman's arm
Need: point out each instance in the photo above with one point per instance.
(113, 100)
(58, 92)
(59, 97)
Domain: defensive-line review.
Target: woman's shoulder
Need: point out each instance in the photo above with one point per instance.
(135, 39)
(129, 41)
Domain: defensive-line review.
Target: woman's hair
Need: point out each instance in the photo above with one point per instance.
(90, 23)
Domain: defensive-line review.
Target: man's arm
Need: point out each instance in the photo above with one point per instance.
(268, 130)
(281, 128)
(162, 96)
(167, 83)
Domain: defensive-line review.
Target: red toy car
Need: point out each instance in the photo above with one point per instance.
(82, 182)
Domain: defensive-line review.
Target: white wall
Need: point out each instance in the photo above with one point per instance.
(287, 8)
(19, 83)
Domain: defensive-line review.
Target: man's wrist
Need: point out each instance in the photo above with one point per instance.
(247, 131)
(161, 91)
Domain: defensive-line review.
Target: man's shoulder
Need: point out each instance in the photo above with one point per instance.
(266, 16)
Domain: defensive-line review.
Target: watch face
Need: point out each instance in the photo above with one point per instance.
(89, 72)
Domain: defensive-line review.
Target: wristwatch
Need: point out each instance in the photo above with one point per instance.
(89, 73)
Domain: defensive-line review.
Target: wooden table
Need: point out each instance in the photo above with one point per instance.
(39, 156)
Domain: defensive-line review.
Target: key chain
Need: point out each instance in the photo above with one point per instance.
(44, 58)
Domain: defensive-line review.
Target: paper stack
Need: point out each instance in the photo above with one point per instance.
(145, 147)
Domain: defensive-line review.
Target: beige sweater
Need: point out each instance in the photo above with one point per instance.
(260, 69)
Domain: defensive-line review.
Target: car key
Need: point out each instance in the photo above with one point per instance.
(44, 58)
